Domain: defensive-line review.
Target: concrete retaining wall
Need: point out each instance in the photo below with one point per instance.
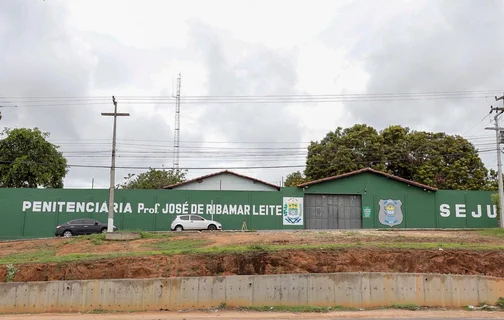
(361, 290)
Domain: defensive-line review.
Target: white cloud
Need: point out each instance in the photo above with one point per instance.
(137, 48)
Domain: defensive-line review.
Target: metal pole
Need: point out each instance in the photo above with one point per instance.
(110, 225)
(499, 162)
(176, 133)
(212, 210)
(498, 142)
(499, 171)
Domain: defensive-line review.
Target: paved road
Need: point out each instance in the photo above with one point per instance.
(371, 315)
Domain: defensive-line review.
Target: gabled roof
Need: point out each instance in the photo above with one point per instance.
(390, 176)
(219, 173)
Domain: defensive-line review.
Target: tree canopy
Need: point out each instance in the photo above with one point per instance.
(28, 160)
(154, 179)
(294, 179)
(436, 159)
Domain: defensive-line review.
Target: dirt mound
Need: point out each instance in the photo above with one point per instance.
(282, 262)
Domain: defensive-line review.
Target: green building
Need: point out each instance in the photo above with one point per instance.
(366, 199)
(372, 199)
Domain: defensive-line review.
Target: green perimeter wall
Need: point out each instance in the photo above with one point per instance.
(23, 214)
(421, 209)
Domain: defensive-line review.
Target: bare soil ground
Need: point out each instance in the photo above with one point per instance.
(380, 314)
(225, 253)
(65, 246)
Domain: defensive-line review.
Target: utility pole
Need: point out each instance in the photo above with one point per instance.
(110, 223)
(499, 139)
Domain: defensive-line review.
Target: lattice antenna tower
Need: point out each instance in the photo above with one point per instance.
(176, 135)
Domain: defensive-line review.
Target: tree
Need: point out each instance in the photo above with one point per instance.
(446, 162)
(435, 159)
(345, 150)
(154, 179)
(28, 160)
(492, 183)
(495, 200)
(294, 179)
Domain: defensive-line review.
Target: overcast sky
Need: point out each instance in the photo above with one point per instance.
(91, 48)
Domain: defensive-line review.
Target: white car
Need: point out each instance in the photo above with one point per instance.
(194, 222)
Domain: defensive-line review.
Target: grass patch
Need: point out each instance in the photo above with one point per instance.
(99, 238)
(256, 247)
(101, 311)
(500, 302)
(336, 246)
(96, 239)
(27, 257)
(97, 311)
(71, 240)
(412, 307)
(499, 233)
(444, 245)
(177, 245)
(155, 235)
(11, 273)
(151, 235)
(200, 246)
(296, 309)
(51, 258)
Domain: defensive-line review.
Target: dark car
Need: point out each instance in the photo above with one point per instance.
(81, 227)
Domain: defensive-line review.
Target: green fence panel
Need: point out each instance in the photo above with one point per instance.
(36, 212)
(465, 209)
(420, 209)
(13, 219)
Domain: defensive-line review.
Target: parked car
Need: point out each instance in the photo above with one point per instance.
(81, 227)
(194, 222)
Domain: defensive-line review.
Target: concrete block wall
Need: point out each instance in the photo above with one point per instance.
(360, 290)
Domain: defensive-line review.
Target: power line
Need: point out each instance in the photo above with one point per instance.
(369, 161)
(475, 137)
(147, 149)
(261, 96)
(482, 119)
(257, 99)
(482, 141)
(221, 102)
(203, 156)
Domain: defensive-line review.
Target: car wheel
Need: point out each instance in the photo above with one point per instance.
(179, 228)
(67, 234)
(104, 230)
(212, 227)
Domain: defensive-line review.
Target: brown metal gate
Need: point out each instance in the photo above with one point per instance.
(333, 211)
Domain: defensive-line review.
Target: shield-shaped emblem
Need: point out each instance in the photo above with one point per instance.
(390, 212)
(293, 211)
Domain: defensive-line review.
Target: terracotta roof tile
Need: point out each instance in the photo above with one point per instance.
(348, 174)
(219, 173)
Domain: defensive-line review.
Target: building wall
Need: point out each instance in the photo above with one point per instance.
(36, 212)
(227, 182)
(420, 208)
